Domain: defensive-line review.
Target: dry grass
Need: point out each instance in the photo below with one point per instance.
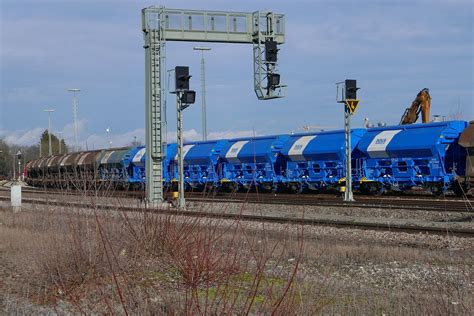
(101, 261)
(140, 262)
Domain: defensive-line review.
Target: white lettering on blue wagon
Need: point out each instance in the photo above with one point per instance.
(186, 149)
(234, 150)
(378, 147)
(139, 155)
(296, 150)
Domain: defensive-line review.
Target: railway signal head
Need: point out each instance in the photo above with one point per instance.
(271, 51)
(351, 89)
(273, 80)
(187, 98)
(182, 78)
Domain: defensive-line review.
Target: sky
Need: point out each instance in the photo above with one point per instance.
(393, 48)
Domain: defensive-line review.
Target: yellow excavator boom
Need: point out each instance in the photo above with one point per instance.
(422, 103)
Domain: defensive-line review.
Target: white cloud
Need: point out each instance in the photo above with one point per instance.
(22, 137)
(102, 140)
(67, 132)
(231, 134)
(95, 141)
(193, 135)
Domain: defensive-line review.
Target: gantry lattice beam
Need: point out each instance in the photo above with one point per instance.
(211, 26)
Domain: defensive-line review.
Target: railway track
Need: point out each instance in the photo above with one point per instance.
(345, 223)
(451, 205)
(415, 202)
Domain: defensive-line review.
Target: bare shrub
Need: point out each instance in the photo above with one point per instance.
(211, 265)
(110, 261)
(106, 260)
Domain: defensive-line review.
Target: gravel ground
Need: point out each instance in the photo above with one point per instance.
(362, 236)
(400, 217)
(355, 214)
(464, 220)
(345, 262)
(370, 267)
(428, 241)
(400, 275)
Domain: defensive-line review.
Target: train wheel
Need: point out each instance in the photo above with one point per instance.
(436, 190)
(371, 188)
(459, 189)
(364, 189)
(275, 188)
(296, 188)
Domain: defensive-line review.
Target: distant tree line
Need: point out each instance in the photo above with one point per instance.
(8, 158)
(57, 147)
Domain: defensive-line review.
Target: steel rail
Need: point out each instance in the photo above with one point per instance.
(393, 202)
(408, 228)
(335, 201)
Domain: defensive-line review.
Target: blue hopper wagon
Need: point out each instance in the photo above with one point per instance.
(403, 156)
(170, 167)
(316, 161)
(137, 168)
(113, 166)
(253, 163)
(201, 163)
(434, 156)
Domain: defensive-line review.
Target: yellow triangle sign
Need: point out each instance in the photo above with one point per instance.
(352, 105)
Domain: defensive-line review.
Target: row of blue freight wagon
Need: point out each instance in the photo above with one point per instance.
(384, 158)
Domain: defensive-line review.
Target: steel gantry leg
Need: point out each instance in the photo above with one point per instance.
(154, 126)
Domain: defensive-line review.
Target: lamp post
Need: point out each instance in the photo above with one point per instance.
(49, 111)
(203, 91)
(74, 111)
(60, 138)
(108, 136)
